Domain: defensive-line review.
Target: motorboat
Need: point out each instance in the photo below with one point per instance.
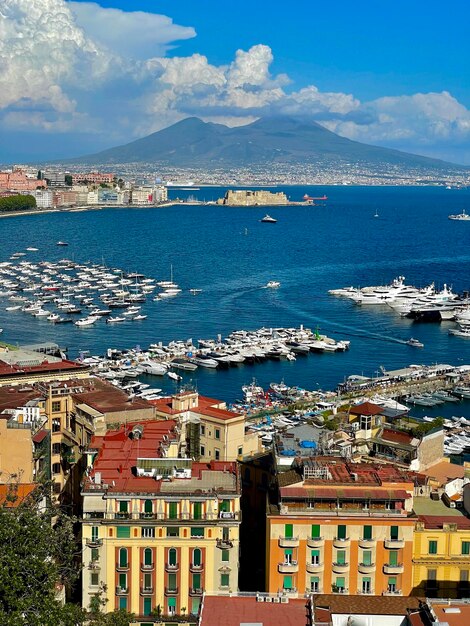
(195, 291)
(62, 243)
(86, 321)
(460, 332)
(273, 284)
(183, 364)
(415, 343)
(267, 219)
(204, 361)
(174, 376)
(53, 317)
(462, 217)
(115, 320)
(139, 317)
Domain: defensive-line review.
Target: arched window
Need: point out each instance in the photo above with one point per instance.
(197, 556)
(172, 556)
(123, 557)
(147, 556)
(148, 506)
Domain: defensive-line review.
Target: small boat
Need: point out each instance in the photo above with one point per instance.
(115, 320)
(139, 317)
(462, 217)
(273, 284)
(194, 291)
(182, 364)
(415, 343)
(63, 320)
(62, 243)
(16, 307)
(376, 214)
(30, 249)
(86, 321)
(268, 219)
(174, 376)
(53, 317)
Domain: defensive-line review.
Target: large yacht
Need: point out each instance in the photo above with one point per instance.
(463, 217)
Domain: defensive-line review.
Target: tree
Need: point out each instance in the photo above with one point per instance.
(17, 202)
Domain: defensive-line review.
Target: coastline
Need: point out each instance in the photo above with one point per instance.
(81, 209)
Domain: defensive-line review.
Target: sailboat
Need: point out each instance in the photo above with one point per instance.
(376, 213)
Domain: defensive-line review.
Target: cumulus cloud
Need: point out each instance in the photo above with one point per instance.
(78, 66)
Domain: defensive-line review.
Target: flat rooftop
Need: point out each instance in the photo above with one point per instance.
(328, 605)
(425, 506)
(236, 611)
(454, 613)
(443, 472)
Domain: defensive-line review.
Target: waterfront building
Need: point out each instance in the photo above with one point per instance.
(93, 197)
(95, 178)
(55, 179)
(210, 431)
(243, 197)
(158, 531)
(44, 198)
(18, 180)
(26, 367)
(336, 526)
(64, 197)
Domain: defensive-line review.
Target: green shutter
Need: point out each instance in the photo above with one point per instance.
(287, 582)
(195, 604)
(198, 510)
(172, 602)
(288, 552)
(123, 532)
(315, 531)
(288, 531)
(315, 553)
(367, 557)
(148, 506)
(196, 581)
(147, 606)
(173, 510)
(196, 556)
(341, 532)
(197, 532)
(123, 581)
(224, 580)
(466, 547)
(94, 533)
(147, 556)
(393, 533)
(123, 506)
(340, 581)
(393, 558)
(367, 532)
(433, 547)
(225, 555)
(172, 581)
(172, 556)
(314, 579)
(224, 506)
(392, 580)
(123, 603)
(122, 557)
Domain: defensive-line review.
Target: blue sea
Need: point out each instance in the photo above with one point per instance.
(229, 254)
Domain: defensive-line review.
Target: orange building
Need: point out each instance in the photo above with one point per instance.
(340, 527)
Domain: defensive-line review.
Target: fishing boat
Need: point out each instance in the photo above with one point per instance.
(267, 219)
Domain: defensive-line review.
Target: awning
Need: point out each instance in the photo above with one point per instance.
(40, 436)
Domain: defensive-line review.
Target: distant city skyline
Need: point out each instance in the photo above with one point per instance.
(78, 77)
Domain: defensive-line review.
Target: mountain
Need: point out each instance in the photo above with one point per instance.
(195, 143)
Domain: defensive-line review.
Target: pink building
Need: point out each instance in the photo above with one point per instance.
(92, 177)
(18, 181)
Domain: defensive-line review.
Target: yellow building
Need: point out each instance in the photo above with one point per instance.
(209, 430)
(441, 556)
(157, 530)
(339, 527)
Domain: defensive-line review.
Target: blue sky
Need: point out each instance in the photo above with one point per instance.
(389, 73)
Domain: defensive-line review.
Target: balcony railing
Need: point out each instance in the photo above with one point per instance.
(288, 542)
(366, 544)
(340, 568)
(366, 568)
(145, 591)
(224, 544)
(123, 567)
(339, 542)
(287, 568)
(315, 568)
(172, 567)
(146, 567)
(93, 515)
(393, 569)
(315, 542)
(394, 544)
(94, 542)
(94, 565)
(195, 591)
(171, 591)
(339, 590)
(163, 517)
(122, 515)
(122, 591)
(196, 568)
(390, 592)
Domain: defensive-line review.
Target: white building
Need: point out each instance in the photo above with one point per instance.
(44, 198)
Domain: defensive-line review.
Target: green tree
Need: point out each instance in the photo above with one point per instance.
(17, 202)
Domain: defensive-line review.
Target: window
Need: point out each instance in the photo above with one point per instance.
(123, 603)
(341, 557)
(148, 531)
(367, 532)
(217, 454)
(464, 575)
(392, 584)
(56, 406)
(123, 557)
(366, 422)
(197, 581)
(123, 532)
(56, 468)
(56, 424)
(173, 510)
(202, 430)
(195, 604)
(288, 556)
(123, 509)
(94, 580)
(172, 556)
(366, 586)
(197, 557)
(203, 451)
(224, 506)
(95, 555)
(94, 533)
(432, 547)
(171, 606)
(226, 533)
(56, 448)
(340, 583)
(225, 556)
(225, 580)
(393, 558)
(123, 582)
(172, 586)
(197, 532)
(315, 531)
(394, 533)
(315, 556)
(287, 583)
(314, 584)
(147, 606)
(288, 531)
(367, 557)
(172, 532)
(148, 557)
(342, 532)
(217, 433)
(148, 507)
(147, 581)
(240, 451)
(197, 510)
(432, 576)
(465, 547)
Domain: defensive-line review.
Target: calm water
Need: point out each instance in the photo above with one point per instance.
(229, 254)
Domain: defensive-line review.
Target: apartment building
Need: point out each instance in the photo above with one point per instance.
(340, 527)
(158, 531)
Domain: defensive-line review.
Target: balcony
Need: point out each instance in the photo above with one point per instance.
(172, 567)
(226, 515)
(146, 591)
(288, 568)
(147, 567)
(123, 567)
(341, 543)
(366, 568)
(224, 544)
(94, 565)
(315, 542)
(394, 544)
(94, 542)
(147, 516)
(395, 592)
(288, 542)
(196, 568)
(315, 568)
(393, 569)
(195, 591)
(342, 590)
(366, 544)
(122, 591)
(340, 568)
(122, 515)
(171, 591)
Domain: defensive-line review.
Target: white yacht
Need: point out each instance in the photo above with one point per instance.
(273, 284)
(462, 217)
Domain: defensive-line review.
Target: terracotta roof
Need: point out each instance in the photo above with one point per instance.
(40, 436)
(12, 398)
(206, 406)
(234, 611)
(366, 408)
(458, 615)
(330, 493)
(437, 521)
(363, 605)
(13, 495)
(11, 370)
(106, 398)
(397, 436)
(443, 472)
